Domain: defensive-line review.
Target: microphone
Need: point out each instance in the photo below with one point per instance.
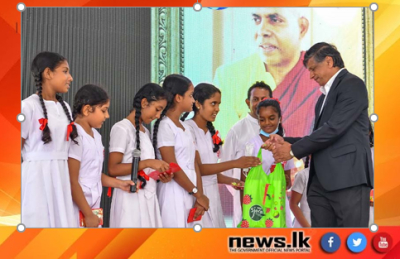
(135, 167)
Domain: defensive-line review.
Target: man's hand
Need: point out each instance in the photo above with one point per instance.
(273, 139)
(281, 152)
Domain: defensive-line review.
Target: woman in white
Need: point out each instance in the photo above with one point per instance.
(299, 195)
(176, 145)
(139, 209)
(86, 157)
(208, 145)
(269, 117)
(46, 136)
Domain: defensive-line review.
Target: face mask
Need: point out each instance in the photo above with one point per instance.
(267, 134)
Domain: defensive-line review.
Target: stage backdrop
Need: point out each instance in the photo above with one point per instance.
(223, 47)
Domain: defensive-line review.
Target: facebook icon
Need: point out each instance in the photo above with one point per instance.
(330, 242)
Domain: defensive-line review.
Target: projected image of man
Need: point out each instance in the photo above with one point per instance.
(277, 61)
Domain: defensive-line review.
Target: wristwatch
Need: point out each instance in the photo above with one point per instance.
(291, 153)
(193, 191)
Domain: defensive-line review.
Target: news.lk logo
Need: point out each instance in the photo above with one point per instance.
(356, 242)
(330, 242)
(382, 242)
(270, 244)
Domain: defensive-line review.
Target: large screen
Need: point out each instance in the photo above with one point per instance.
(235, 47)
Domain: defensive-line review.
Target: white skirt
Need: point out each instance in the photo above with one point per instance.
(92, 192)
(46, 194)
(214, 217)
(136, 210)
(175, 205)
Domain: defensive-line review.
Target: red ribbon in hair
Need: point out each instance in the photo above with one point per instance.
(109, 192)
(266, 98)
(216, 139)
(43, 123)
(69, 129)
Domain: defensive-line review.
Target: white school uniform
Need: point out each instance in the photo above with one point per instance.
(90, 153)
(214, 217)
(176, 202)
(267, 161)
(133, 209)
(45, 189)
(300, 186)
(234, 148)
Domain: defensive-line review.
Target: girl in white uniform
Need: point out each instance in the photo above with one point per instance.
(208, 145)
(299, 195)
(46, 136)
(86, 157)
(270, 117)
(176, 145)
(139, 209)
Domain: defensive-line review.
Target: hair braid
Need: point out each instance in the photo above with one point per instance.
(46, 136)
(74, 132)
(184, 116)
(138, 112)
(155, 129)
(211, 128)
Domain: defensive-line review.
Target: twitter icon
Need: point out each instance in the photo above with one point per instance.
(356, 242)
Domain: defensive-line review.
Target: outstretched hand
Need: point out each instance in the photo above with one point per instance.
(247, 161)
(281, 152)
(272, 141)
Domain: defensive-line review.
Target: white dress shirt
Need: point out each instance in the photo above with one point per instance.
(325, 89)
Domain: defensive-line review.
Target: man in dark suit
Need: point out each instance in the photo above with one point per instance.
(341, 171)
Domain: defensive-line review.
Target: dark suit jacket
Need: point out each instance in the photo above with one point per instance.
(339, 144)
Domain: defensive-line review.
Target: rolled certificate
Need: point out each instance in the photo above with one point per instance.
(135, 167)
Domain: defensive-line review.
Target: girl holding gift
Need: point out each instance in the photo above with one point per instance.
(85, 162)
(208, 144)
(176, 145)
(139, 209)
(264, 199)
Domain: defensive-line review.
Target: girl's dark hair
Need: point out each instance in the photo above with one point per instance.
(201, 93)
(275, 105)
(89, 94)
(307, 162)
(151, 92)
(42, 61)
(173, 84)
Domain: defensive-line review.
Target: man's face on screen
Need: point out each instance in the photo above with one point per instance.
(278, 32)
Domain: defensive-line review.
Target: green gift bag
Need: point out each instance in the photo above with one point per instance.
(264, 198)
